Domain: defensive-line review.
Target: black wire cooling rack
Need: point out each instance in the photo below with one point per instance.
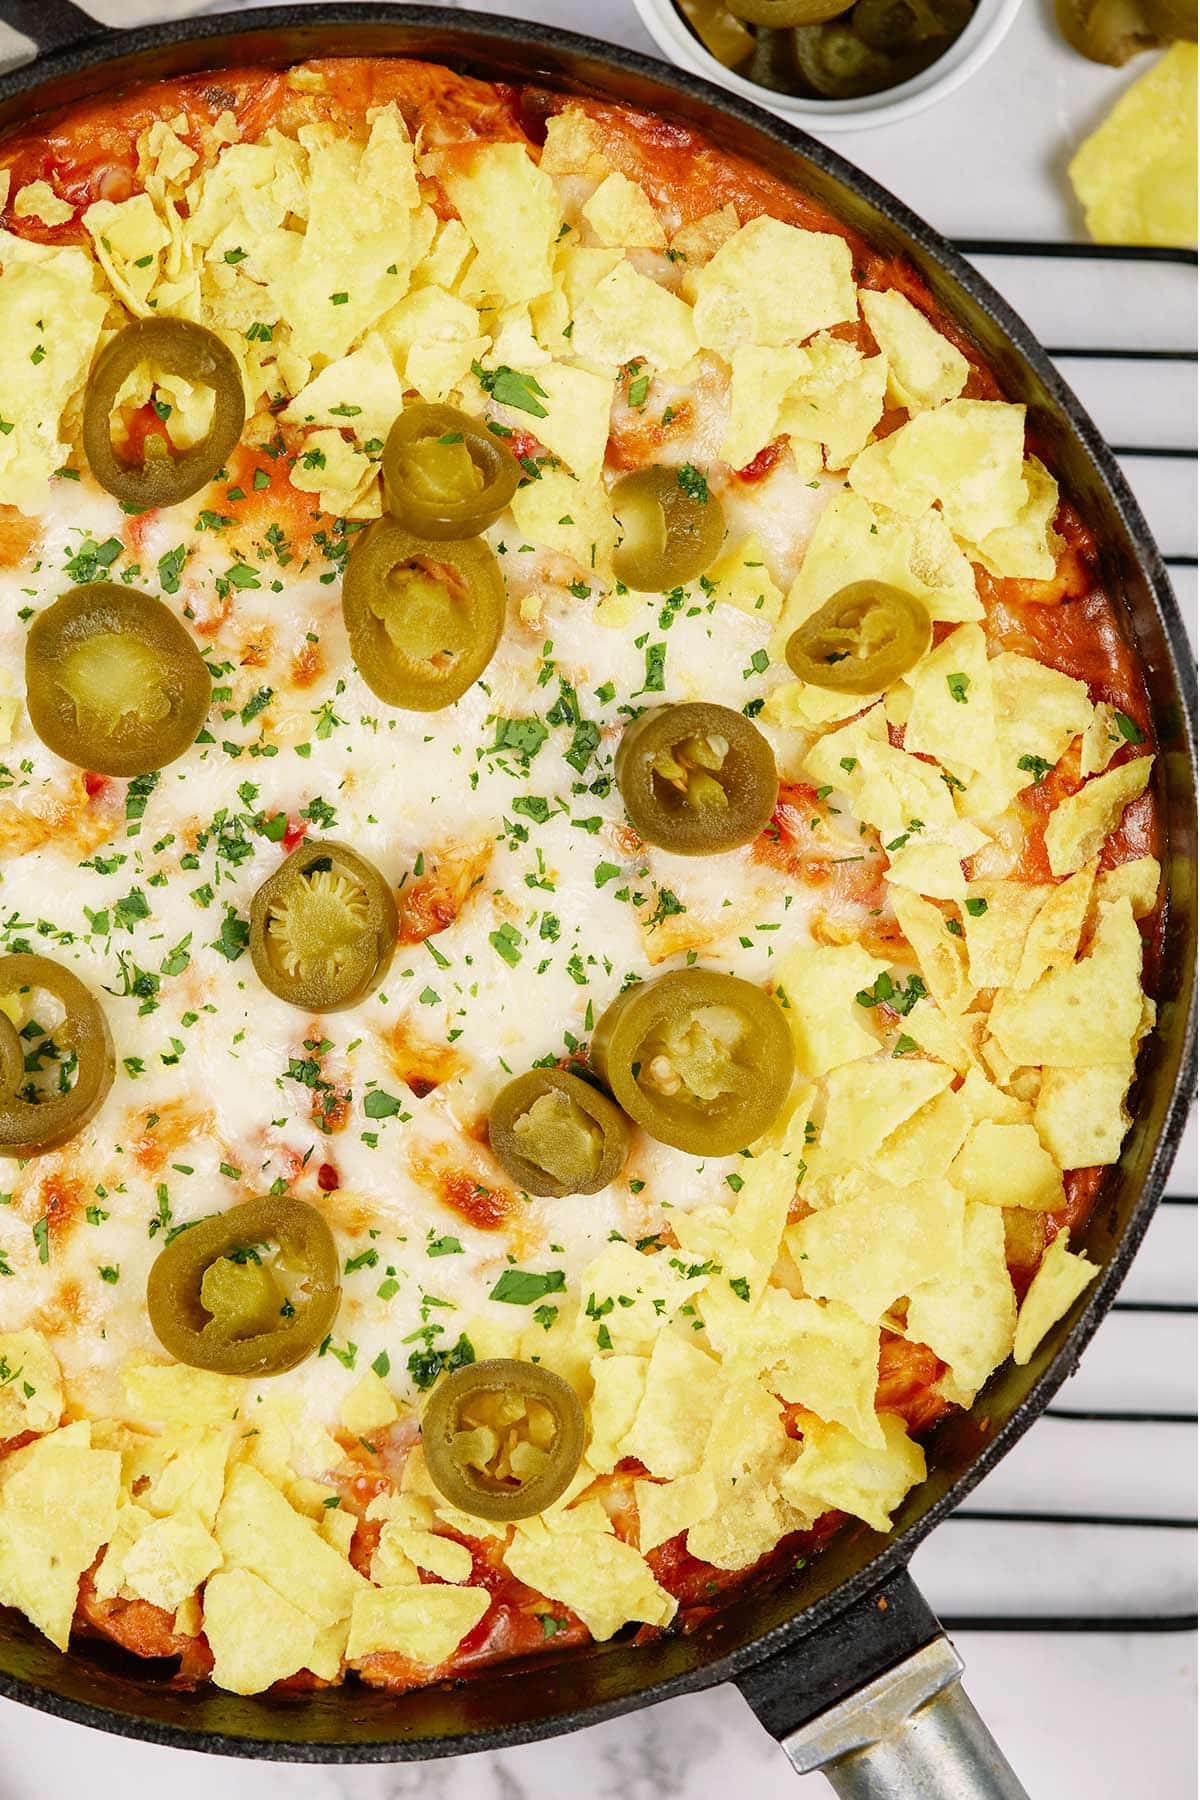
(1148, 458)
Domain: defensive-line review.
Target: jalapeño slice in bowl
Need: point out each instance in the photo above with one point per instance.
(163, 476)
(862, 640)
(672, 527)
(700, 1060)
(113, 680)
(502, 1438)
(423, 617)
(696, 778)
(251, 1291)
(54, 1074)
(445, 474)
(323, 927)
(556, 1134)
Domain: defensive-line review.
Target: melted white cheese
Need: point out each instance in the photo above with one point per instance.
(211, 1055)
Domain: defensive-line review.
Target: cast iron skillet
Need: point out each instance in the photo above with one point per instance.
(834, 1658)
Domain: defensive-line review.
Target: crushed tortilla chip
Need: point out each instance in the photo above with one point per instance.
(1060, 1279)
(969, 1320)
(817, 989)
(369, 1406)
(1136, 174)
(740, 578)
(1078, 826)
(1084, 1014)
(924, 368)
(604, 1580)
(1006, 1165)
(869, 1252)
(258, 1530)
(58, 1505)
(31, 1389)
(626, 316)
(621, 216)
(772, 283)
(834, 1470)
(965, 456)
(665, 1508)
(512, 213)
(256, 1635)
(1080, 1114)
(681, 1398)
(1137, 881)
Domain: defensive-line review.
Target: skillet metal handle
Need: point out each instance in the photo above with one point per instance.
(51, 24)
(871, 1697)
(912, 1734)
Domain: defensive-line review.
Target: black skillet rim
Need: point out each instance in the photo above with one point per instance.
(109, 45)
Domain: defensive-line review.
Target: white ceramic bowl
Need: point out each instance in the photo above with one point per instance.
(970, 50)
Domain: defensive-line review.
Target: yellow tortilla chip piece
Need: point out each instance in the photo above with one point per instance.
(620, 214)
(172, 1394)
(866, 1101)
(446, 258)
(332, 284)
(983, 1100)
(698, 242)
(1101, 741)
(799, 706)
(1025, 549)
(512, 213)
(682, 1394)
(577, 406)
(38, 200)
(933, 866)
(58, 1505)
(996, 920)
(434, 338)
(560, 513)
(604, 1580)
(941, 1035)
(915, 555)
(925, 1144)
(1053, 938)
(747, 1455)
(1136, 174)
(1060, 1280)
(442, 1556)
(871, 1251)
(1078, 826)
(1080, 1114)
(645, 1292)
(258, 1530)
(772, 283)
(1082, 1015)
(330, 466)
(125, 234)
(192, 1477)
(759, 379)
(170, 1559)
(817, 989)
(966, 457)
(369, 1406)
(573, 145)
(837, 400)
(969, 1320)
(665, 1508)
(627, 316)
(1039, 712)
(951, 715)
(31, 1389)
(257, 1637)
(924, 368)
(361, 391)
(740, 578)
(619, 1384)
(39, 284)
(941, 956)
(1005, 1165)
(1137, 881)
(821, 1355)
(834, 1470)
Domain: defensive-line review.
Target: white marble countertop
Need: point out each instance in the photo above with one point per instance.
(1102, 1715)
